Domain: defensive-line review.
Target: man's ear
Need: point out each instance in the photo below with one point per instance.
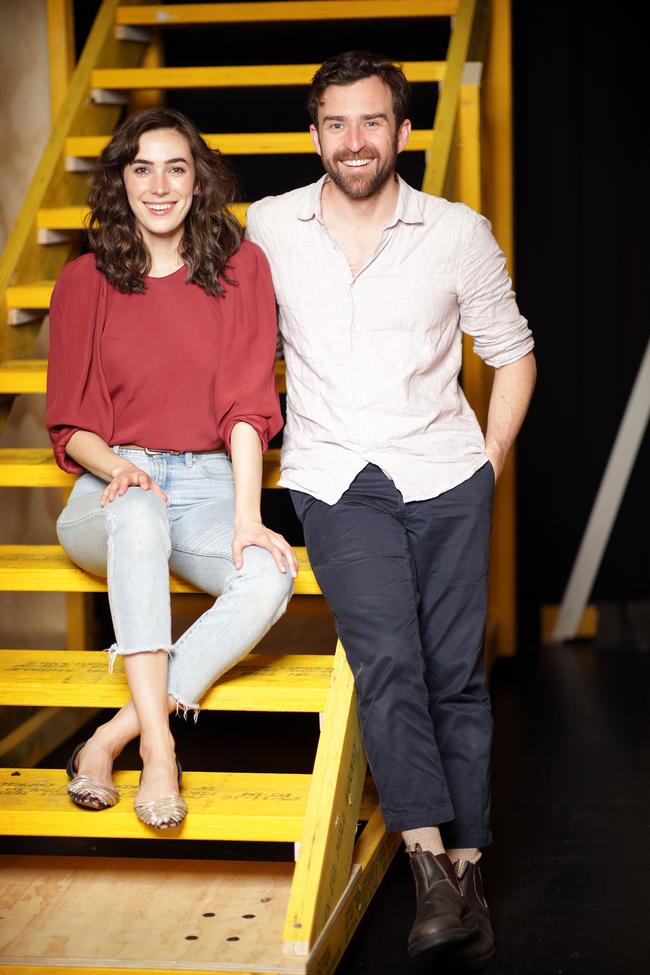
(313, 131)
(403, 134)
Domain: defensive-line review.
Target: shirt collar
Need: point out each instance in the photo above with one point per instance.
(408, 209)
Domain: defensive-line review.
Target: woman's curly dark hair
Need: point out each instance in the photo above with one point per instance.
(211, 234)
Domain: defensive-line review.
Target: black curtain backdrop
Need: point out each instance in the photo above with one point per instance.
(581, 232)
(580, 208)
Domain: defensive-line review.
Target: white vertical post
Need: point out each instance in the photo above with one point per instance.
(606, 505)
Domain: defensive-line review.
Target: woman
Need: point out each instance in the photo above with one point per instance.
(162, 344)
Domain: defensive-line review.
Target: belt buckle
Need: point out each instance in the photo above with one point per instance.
(156, 453)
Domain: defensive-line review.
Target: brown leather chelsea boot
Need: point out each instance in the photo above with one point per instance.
(441, 917)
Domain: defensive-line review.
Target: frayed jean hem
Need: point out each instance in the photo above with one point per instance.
(183, 709)
(115, 651)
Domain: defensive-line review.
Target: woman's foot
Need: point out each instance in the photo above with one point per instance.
(90, 770)
(158, 802)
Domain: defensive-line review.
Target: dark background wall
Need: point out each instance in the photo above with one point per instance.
(580, 245)
(581, 230)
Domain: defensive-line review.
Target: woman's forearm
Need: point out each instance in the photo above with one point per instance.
(246, 453)
(91, 452)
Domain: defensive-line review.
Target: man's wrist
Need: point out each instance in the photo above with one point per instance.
(497, 455)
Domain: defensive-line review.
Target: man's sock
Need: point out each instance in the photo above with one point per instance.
(468, 855)
(428, 837)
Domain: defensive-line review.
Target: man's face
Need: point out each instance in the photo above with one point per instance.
(357, 138)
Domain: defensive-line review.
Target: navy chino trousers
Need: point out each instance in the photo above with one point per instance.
(407, 584)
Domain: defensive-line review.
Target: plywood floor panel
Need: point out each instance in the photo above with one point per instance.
(142, 913)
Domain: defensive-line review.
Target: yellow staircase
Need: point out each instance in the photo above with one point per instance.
(200, 915)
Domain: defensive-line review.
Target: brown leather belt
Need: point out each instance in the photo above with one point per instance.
(176, 453)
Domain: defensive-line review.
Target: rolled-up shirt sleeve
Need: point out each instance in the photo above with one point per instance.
(77, 394)
(488, 308)
(247, 391)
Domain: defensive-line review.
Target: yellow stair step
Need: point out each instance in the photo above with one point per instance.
(30, 376)
(36, 467)
(223, 13)
(67, 678)
(242, 143)
(23, 376)
(36, 294)
(236, 76)
(76, 217)
(46, 568)
(222, 806)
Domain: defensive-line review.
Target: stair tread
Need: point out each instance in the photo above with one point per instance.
(69, 678)
(74, 217)
(36, 467)
(23, 376)
(219, 13)
(46, 568)
(244, 806)
(30, 375)
(255, 75)
(243, 143)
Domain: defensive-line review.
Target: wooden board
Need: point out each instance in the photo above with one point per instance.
(46, 568)
(146, 915)
(76, 217)
(223, 13)
(36, 467)
(241, 143)
(88, 915)
(236, 76)
(323, 865)
(222, 806)
(30, 376)
(260, 682)
(23, 376)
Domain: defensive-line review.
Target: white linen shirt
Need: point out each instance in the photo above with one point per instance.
(373, 359)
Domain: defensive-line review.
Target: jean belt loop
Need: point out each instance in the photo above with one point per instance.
(189, 458)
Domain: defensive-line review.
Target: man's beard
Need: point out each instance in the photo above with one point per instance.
(356, 184)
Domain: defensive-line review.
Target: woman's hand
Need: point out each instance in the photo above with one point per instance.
(125, 476)
(255, 533)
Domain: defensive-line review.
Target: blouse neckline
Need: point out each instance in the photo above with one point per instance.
(166, 277)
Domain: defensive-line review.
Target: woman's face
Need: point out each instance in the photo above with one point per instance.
(161, 182)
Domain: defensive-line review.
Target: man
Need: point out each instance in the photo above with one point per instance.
(389, 471)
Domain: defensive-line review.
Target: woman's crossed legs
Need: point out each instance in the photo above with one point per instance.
(134, 541)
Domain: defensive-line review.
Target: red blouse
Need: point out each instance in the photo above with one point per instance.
(171, 369)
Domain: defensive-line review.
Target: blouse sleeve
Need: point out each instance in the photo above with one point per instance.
(246, 388)
(77, 395)
(488, 308)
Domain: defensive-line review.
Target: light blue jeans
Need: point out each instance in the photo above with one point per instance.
(134, 541)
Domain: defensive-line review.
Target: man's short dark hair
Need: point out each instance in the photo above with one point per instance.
(345, 69)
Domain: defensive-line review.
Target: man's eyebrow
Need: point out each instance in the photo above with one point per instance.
(368, 117)
(147, 162)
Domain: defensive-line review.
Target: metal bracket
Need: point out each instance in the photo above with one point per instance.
(46, 236)
(79, 164)
(125, 32)
(108, 96)
(20, 316)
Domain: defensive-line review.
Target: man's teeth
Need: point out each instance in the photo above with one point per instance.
(356, 162)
